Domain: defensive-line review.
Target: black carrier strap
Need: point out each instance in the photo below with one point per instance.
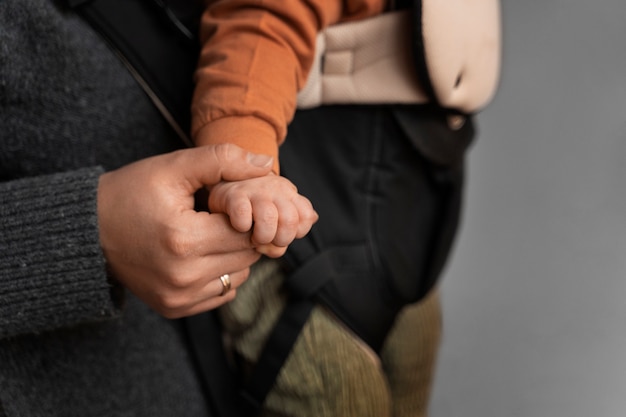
(158, 44)
(274, 354)
(316, 279)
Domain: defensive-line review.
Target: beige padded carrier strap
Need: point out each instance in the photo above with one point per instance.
(370, 61)
(367, 61)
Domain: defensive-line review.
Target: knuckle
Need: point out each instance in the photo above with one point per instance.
(240, 208)
(290, 220)
(240, 211)
(286, 185)
(267, 217)
(178, 243)
(225, 152)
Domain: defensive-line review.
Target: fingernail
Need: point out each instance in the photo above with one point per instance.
(260, 160)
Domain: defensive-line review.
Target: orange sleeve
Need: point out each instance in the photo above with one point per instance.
(255, 57)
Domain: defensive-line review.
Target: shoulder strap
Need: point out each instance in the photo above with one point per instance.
(147, 34)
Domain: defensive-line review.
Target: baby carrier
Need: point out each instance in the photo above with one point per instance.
(374, 250)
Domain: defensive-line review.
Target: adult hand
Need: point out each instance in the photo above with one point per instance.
(160, 248)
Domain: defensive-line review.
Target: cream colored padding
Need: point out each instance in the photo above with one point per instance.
(370, 61)
(462, 43)
(363, 62)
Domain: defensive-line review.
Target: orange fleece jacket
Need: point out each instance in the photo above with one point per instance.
(255, 57)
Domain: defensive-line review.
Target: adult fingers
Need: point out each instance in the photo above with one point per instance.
(209, 304)
(216, 291)
(208, 165)
(208, 234)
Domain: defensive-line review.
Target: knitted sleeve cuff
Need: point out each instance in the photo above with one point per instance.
(52, 271)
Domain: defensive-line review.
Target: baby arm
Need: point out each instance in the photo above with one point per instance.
(270, 206)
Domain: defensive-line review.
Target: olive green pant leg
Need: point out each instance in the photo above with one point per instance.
(409, 356)
(330, 372)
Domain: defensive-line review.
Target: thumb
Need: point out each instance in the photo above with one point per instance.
(208, 165)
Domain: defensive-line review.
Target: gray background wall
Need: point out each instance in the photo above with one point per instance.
(535, 297)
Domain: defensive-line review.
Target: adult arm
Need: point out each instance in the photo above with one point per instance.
(53, 230)
(52, 272)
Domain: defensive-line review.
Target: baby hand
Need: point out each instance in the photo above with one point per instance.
(269, 205)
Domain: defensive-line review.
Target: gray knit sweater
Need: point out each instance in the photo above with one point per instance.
(71, 344)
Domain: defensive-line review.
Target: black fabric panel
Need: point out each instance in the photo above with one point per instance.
(374, 187)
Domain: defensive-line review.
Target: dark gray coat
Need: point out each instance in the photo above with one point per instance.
(71, 344)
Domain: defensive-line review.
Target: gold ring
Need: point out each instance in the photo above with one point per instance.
(225, 280)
